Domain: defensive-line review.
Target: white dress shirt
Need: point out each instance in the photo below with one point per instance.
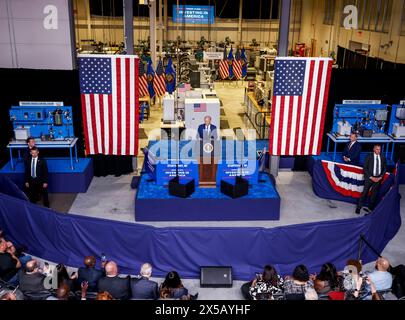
(377, 166)
(34, 167)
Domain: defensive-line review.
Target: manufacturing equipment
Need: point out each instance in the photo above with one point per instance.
(397, 121)
(45, 122)
(368, 120)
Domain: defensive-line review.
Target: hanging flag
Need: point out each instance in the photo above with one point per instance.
(301, 88)
(170, 77)
(230, 64)
(223, 67)
(244, 63)
(109, 90)
(143, 81)
(150, 74)
(159, 83)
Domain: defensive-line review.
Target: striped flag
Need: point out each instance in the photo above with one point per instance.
(301, 88)
(143, 81)
(109, 93)
(224, 67)
(237, 69)
(159, 80)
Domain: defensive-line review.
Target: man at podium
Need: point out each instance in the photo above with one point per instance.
(207, 131)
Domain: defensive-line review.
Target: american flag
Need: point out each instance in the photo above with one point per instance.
(109, 92)
(200, 107)
(301, 88)
(237, 69)
(159, 81)
(224, 69)
(143, 81)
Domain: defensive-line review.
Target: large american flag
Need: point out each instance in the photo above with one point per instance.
(159, 80)
(109, 94)
(224, 69)
(143, 81)
(301, 88)
(237, 68)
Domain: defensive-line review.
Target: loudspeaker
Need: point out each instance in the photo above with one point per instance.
(216, 277)
(181, 190)
(237, 190)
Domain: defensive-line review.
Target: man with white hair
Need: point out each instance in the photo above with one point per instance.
(207, 131)
(144, 288)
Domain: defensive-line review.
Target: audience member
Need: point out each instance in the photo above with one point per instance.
(172, 287)
(64, 278)
(8, 296)
(9, 263)
(264, 286)
(143, 287)
(327, 280)
(89, 274)
(398, 284)
(104, 296)
(355, 284)
(118, 287)
(19, 253)
(31, 279)
(381, 278)
(296, 286)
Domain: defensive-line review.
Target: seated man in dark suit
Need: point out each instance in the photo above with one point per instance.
(352, 151)
(142, 287)
(375, 168)
(89, 274)
(30, 279)
(118, 287)
(27, 152)
(207, 130)
(36, 177)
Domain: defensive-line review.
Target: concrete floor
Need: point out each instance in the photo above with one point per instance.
(112, 198)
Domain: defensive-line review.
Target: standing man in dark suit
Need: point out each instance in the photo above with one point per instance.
(352, 151)
(30, 145)
(207, 130)
(375, 168)
(36, 177)
(142, 287)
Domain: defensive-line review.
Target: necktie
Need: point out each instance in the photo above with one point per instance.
(33, 168)
(378, 166)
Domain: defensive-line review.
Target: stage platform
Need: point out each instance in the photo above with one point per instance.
(62, 179)
(153, 203)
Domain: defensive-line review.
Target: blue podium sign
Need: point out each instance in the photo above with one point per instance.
(228, 170)
(167, 171)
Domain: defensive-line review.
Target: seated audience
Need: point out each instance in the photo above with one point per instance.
(9, 296)
(89, 274)
(104, 296)
(264, 286)
(143, 287)
(63, 293)
(296, 286)
(31, 279)
(9, 263)
(19, 253)
(381, 278)
(172, 287)
(64, 278)
(311, 294)
(118, 287)
(327, 280)
(355, 282)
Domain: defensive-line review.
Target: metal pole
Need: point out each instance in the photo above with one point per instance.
(160, 27)
(88, 19)
(152, 30)
(284, 30)
(128, 26)
(240, 22)
(165, 21)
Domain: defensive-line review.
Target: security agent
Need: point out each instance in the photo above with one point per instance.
(352, 151)
(207, 130)
(375, 168)
(30, 144)
(36, 177)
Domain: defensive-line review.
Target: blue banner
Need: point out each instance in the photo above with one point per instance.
(167, 171)
(193, 14)
(228, 170)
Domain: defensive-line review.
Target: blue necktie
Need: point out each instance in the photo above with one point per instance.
(33, 171)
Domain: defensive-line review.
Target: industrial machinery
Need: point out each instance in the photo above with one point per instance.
(397, 121)
(368, 120)
(45, 122)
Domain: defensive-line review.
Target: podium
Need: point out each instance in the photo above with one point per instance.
(208, 164)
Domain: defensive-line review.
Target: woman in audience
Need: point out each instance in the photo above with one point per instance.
(172, 287)
(296, 286)
(264, 286)
(64, 278)
(355, 283)
(328, 280)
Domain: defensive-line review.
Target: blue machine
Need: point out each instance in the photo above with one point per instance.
(47, 123)
(397, 121)
(368, 120)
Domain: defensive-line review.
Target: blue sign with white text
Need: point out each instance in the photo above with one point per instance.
(167, 171)
(228, 170)
(193, 14)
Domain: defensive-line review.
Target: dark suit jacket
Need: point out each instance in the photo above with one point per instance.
(143, 288)
(31, 282)
(27, 155)
(204, 134)
(353, 154)
(369, 166)
(91, 275)
(118, 287)
(41, 170)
